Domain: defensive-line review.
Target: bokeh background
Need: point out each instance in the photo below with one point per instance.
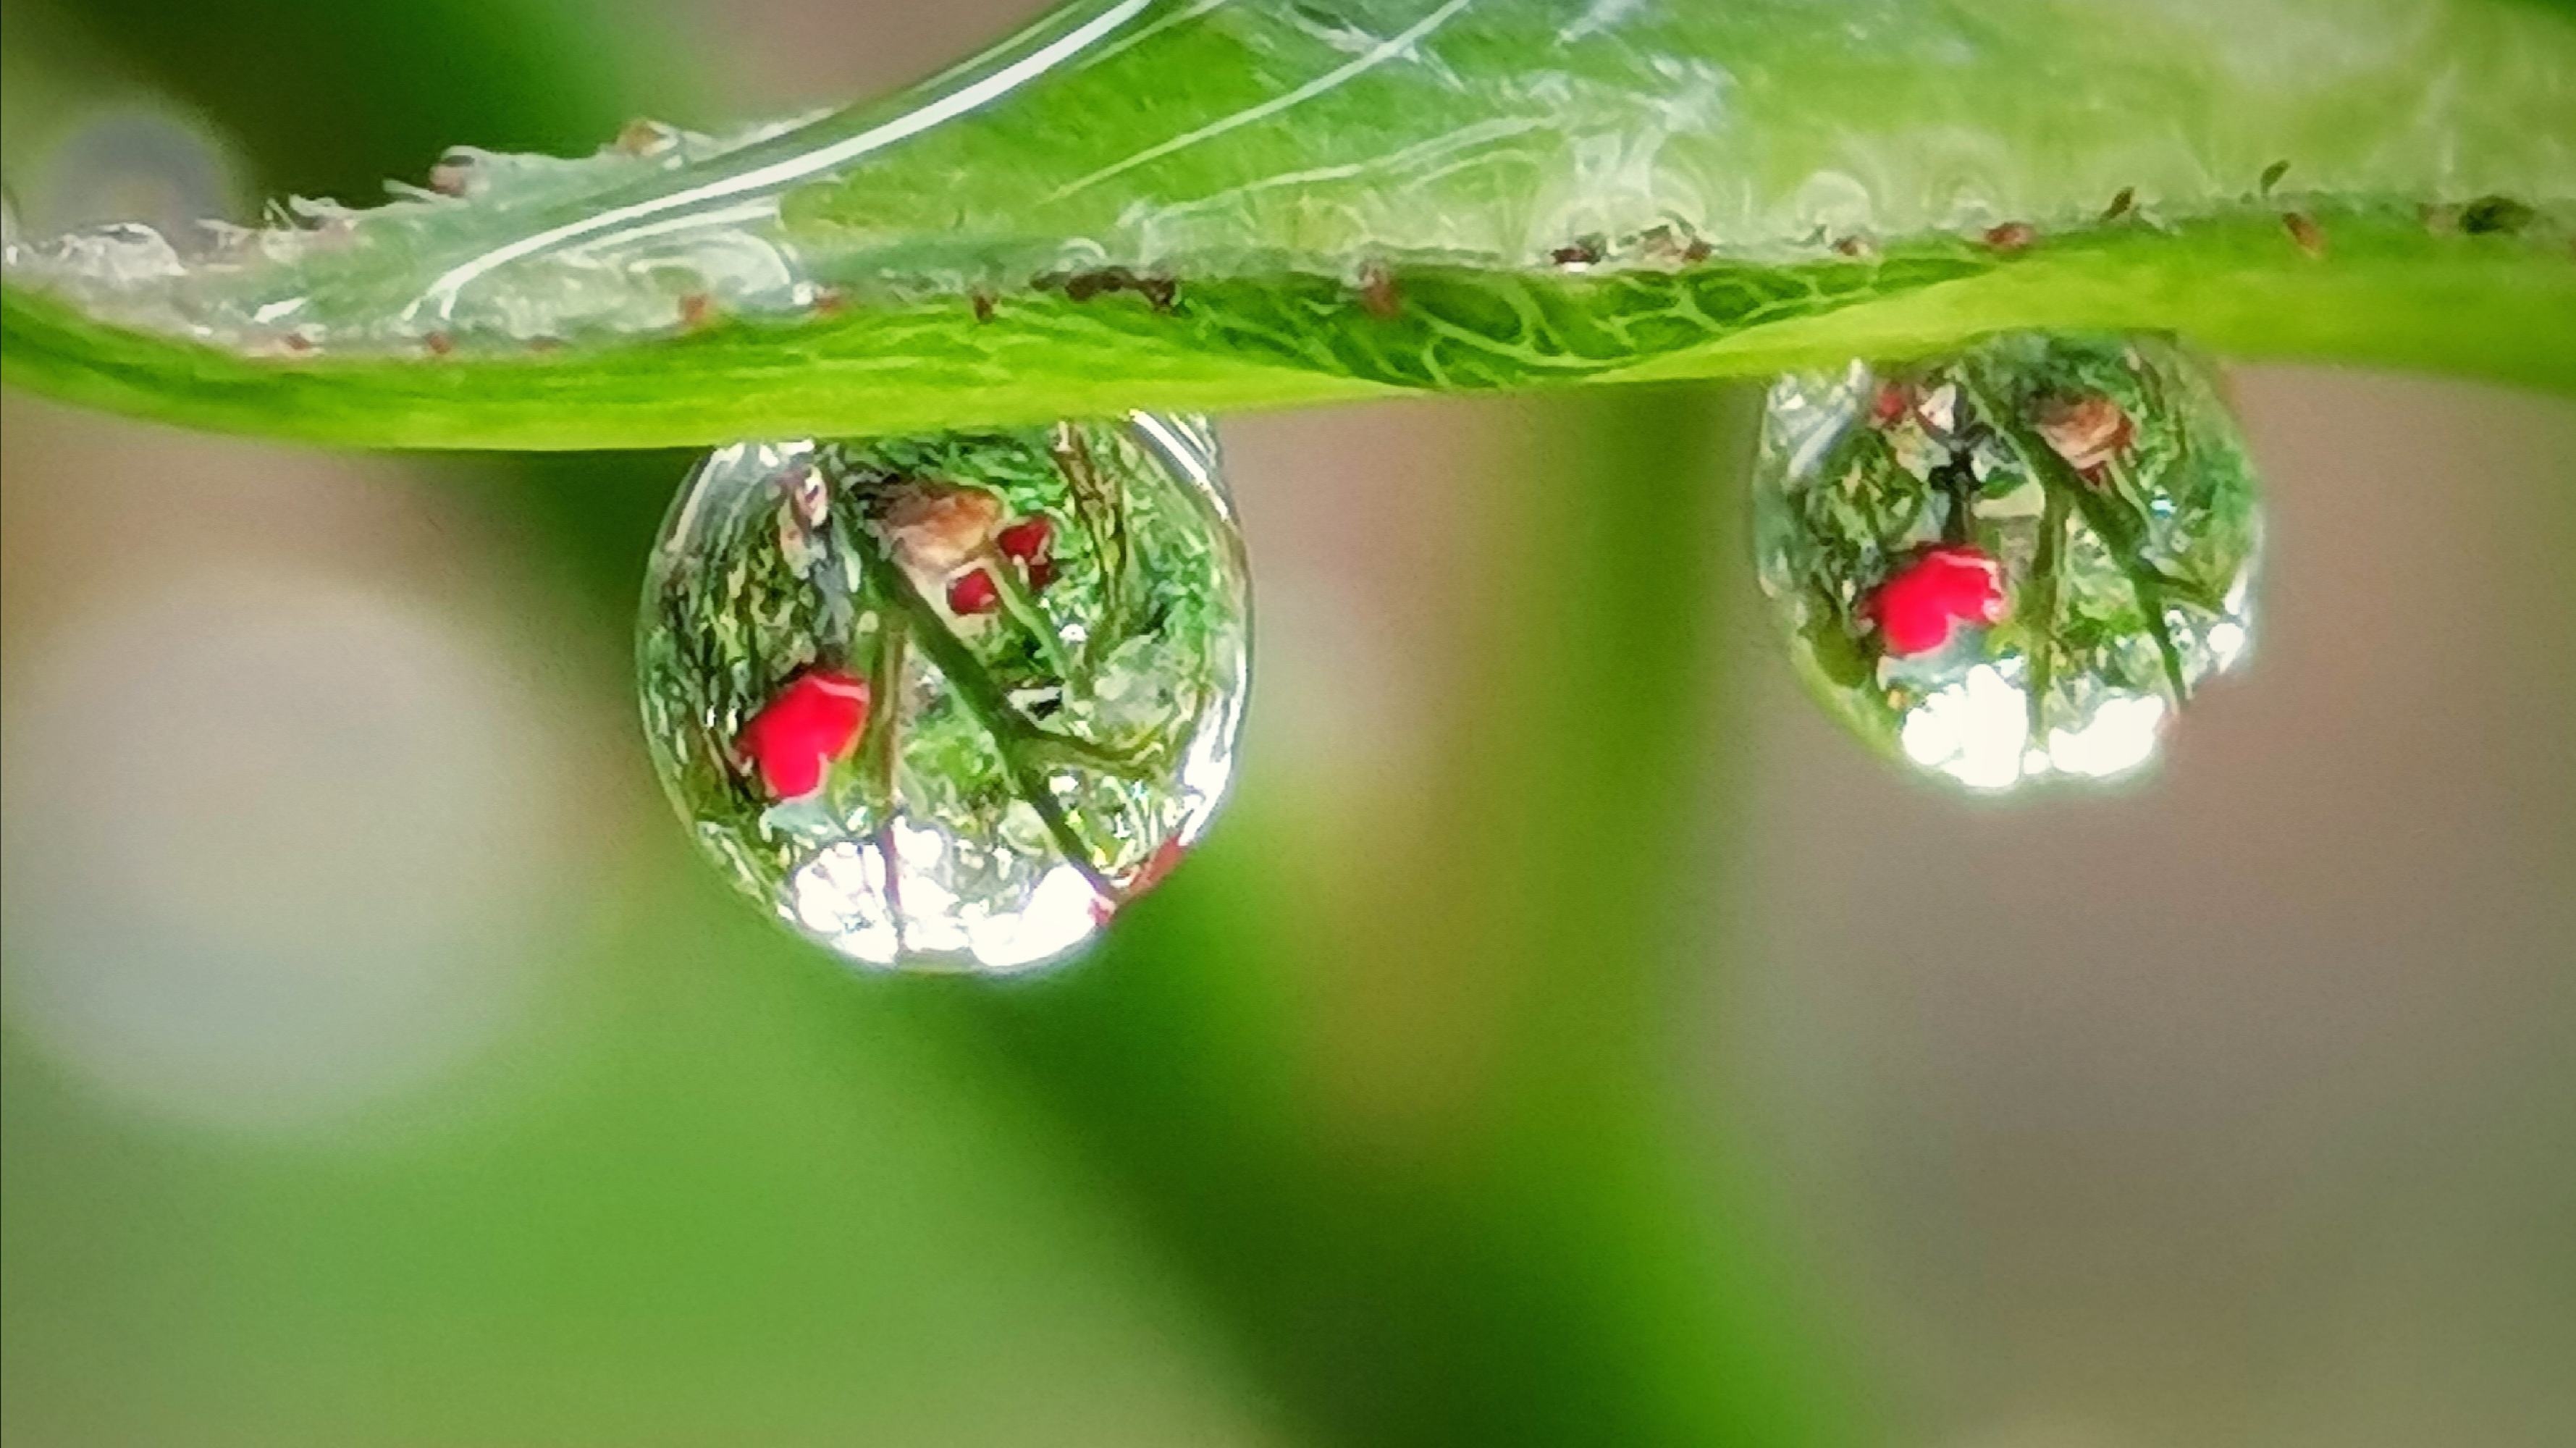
(1567, 1037)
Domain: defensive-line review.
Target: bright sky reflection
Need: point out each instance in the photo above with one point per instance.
(1977, 731)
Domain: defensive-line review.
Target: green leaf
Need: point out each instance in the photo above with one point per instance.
(1211, 205)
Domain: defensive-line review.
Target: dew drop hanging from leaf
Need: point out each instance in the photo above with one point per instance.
(2014, 563)
(949, 701)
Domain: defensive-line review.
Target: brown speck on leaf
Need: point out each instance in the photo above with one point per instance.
(1672, 244)
(2272, 175)
(2489, 215)
(335, 232)
(697, 309)
(2011, 237)
(830, 301)
(982, 303)
(641, 137)
(1378, 296)
(1583, 252)
(2120, 204)
(2304, 230)
(297, 342)
(1158, 292)
(1855, 246)
(453, 175)
(1083, 286)
(439, 344)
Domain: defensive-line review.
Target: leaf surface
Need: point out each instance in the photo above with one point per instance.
(1219, 204)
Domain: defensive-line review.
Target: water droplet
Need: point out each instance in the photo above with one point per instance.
(948, 701)
(2013, 563)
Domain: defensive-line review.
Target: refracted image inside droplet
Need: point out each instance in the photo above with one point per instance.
(2014, 563)
(948, 702)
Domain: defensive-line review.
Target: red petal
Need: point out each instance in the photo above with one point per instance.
(973, 593)
(1919, 605)
(814, 720)
(1166, 858)
(1028, 540)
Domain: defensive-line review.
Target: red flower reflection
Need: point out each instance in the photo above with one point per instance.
(973, 593)
(814, 720)
(1917, 607)
(1029, 543)
(1030, 540)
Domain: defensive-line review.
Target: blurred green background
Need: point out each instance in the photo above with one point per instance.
(1566, 1038)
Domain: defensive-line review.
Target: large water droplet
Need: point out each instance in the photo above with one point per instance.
(946, 702)
(2014, 563)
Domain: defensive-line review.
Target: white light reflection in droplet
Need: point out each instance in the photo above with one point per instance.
(840, 894)
(923, 875)
(2227, 640)
(1060, 914)
(2119, 737)
(1977, 731)
(1974, 730)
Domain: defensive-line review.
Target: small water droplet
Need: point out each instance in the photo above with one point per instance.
(946, 702)
(2014, 563)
